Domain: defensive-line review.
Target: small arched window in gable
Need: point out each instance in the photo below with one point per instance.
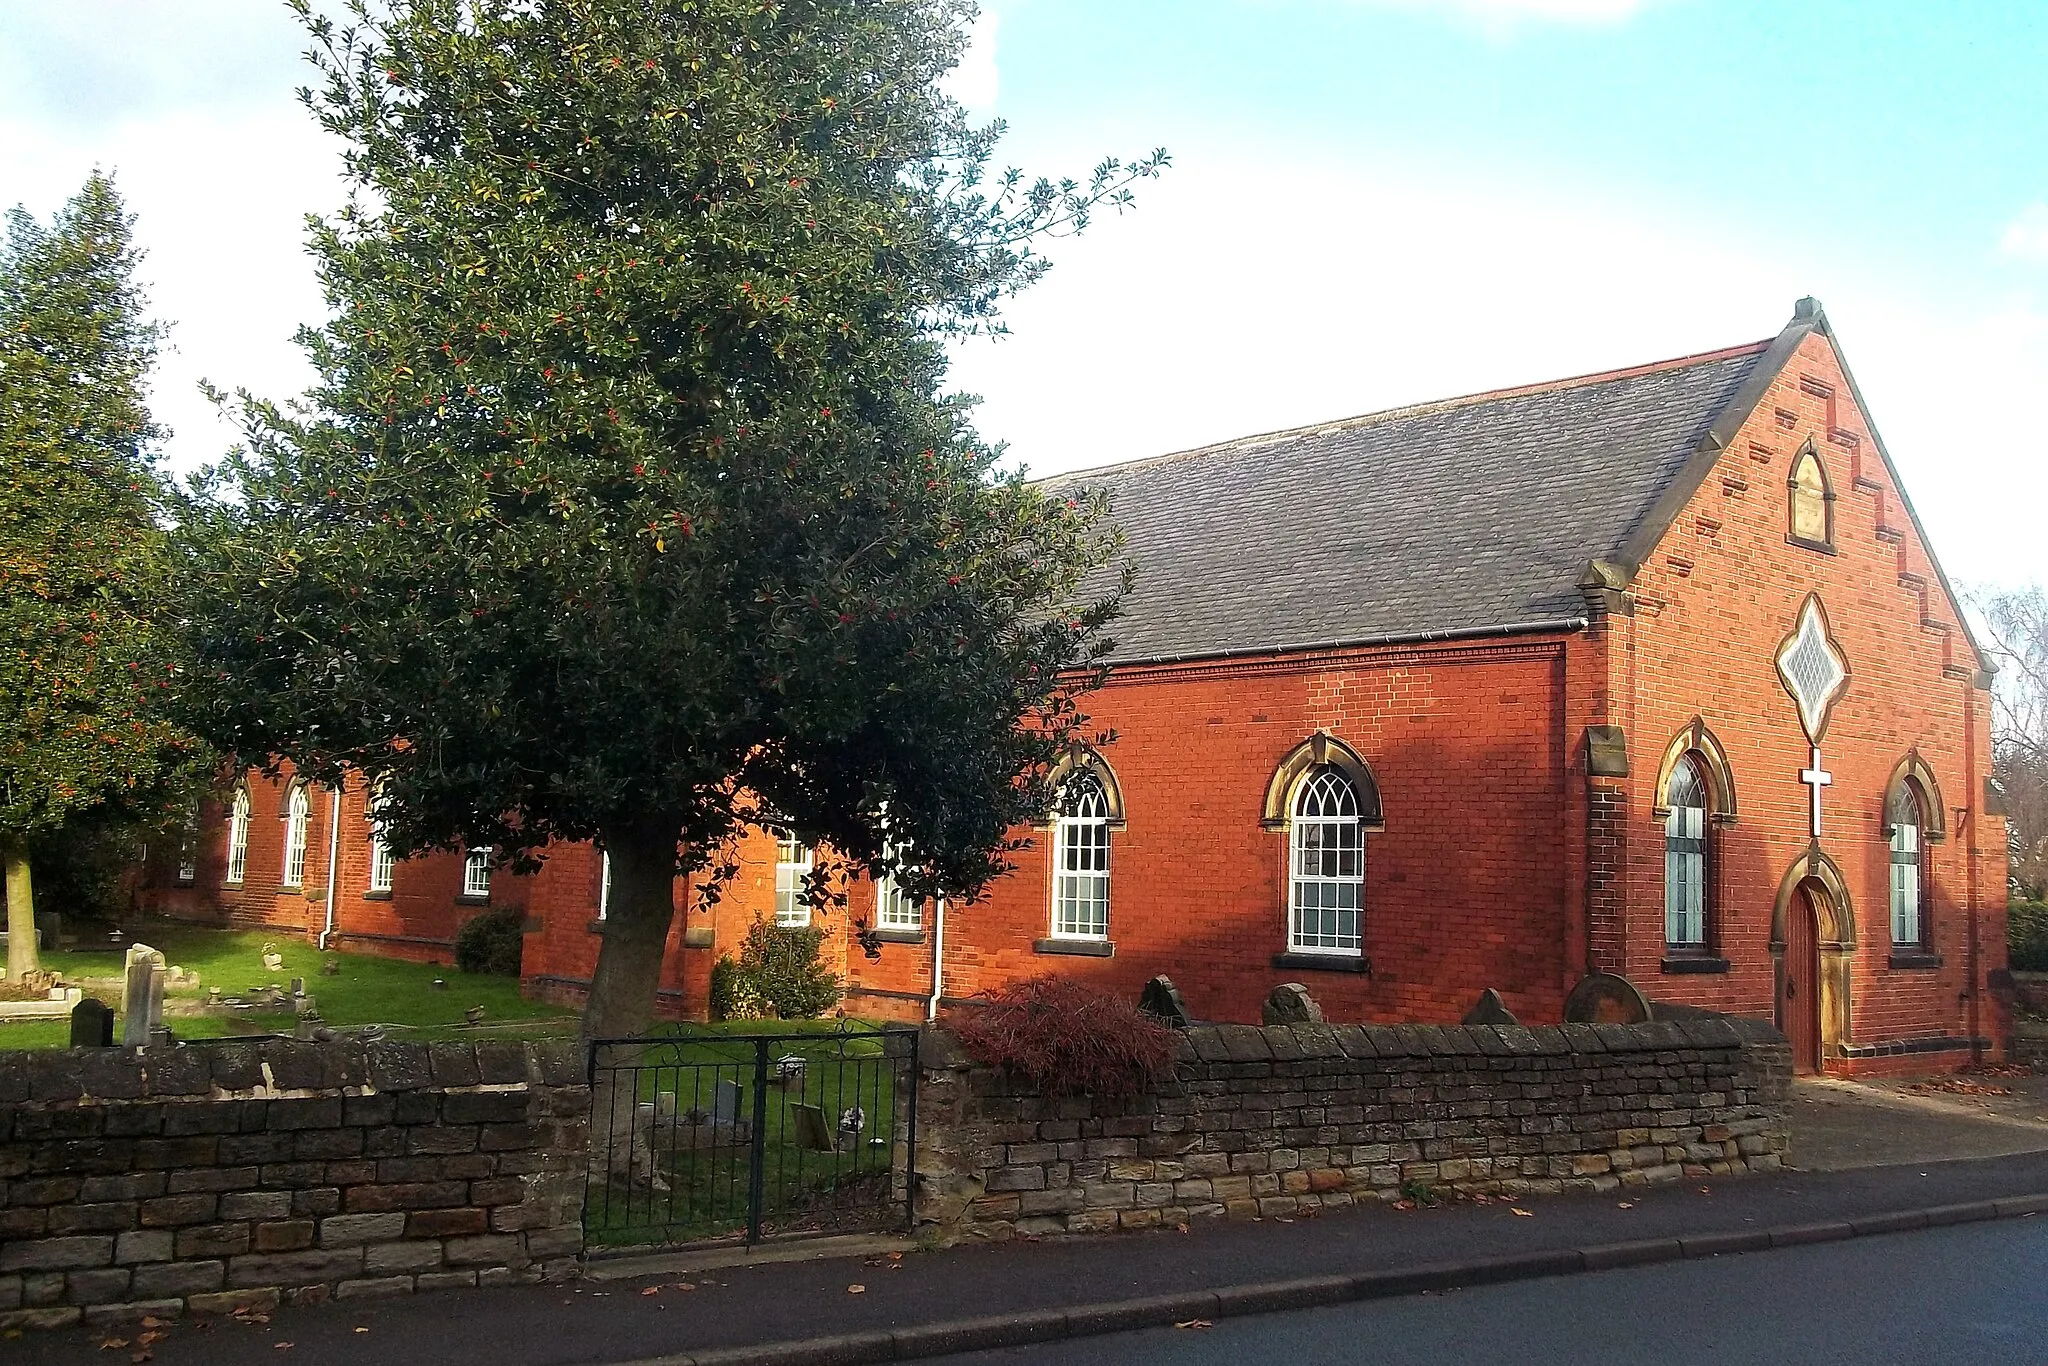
(1326, 854)
(1080, 893)
(1813, 503)
(1685, 857)
(1908, 869)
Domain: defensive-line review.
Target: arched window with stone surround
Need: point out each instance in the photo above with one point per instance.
(238, 838)
(1326, 866)
(1685, 858)
(298, 815)
(1908, 867)
(1812, 502)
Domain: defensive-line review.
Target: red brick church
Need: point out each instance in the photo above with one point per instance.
(1649, 672)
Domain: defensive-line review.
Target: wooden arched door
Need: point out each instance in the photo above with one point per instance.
(1799, 987)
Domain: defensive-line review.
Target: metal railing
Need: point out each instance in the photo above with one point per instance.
(703, 1134)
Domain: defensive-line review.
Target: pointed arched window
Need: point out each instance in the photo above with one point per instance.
(793, 863)
(298, 813)
(381, 863)
(1812, 513)
(1326, 856)
(1080, 844)
(238, 838)
(1908, 849)
(1685, 857)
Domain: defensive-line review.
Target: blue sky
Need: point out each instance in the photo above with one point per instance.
(1374, 202)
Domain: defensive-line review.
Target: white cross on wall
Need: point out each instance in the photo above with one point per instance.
(1816, 778)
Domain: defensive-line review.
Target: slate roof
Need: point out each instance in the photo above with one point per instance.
(1460, 516)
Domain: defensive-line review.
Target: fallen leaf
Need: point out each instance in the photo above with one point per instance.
(684, 1285)
(1194, 1323)
(282, 1346)
(149, 1339)
(856, 1290)
(1706, 1190)
(152, 1322)
(652, 1290)
(1520, 1213)
(113, 1344)
(1626, 1204)
(362, 1330)
(139, 1357)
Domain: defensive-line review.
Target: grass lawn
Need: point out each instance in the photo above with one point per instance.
(366, 991)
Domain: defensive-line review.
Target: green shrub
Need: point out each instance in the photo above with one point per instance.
(490, 944)
(2026, 936)
(1068, 1038)
(778, 975)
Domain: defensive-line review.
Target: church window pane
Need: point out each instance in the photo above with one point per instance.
(1906, 867)
(1685, 858)
(1326, 855)
(298, 810)
(238, 837)
(793, 863)
(1080, 897)
(188, 846)
(1809, 501)
(380, 853)
(604, 884)
(476, 873)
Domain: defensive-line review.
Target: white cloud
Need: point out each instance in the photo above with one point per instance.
(2026, 237)
(975, 81)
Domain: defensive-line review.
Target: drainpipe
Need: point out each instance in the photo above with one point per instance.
(333, 858)
(931, 1007)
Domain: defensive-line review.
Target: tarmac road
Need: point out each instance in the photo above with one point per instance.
(1971, 1294)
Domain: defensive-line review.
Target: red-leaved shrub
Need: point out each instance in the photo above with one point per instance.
(1067, 1038)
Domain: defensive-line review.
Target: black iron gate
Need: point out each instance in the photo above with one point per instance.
(701, 1134)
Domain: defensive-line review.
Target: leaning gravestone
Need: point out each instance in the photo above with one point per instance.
(1290, 1004)
(92, 1024)
(1606, 998)
(1489, 1009)
(1161, 1000)
(142, 996)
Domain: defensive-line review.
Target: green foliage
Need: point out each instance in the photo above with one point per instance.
(778, 975)
(2026, 936)
(491, 943)
(86, 660)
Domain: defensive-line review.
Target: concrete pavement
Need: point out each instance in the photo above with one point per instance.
(1839, 1125)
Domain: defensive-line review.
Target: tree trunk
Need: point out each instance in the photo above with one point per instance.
(621, 1004)
(636, 924)
(22, 957)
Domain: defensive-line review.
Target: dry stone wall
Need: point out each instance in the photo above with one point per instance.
(204, 1178)
(1277, 1120)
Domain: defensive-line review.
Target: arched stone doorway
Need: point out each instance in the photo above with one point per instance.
(1813, 940)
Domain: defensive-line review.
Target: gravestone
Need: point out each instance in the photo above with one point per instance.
(330, 967)
(1606, 998)
(298, 987)
(725, 1102)
(142, 995)
(1489, 1009)
(273, 961)
(1161, 1000)
(92, 1024)
(1290, 1004)
(811, 1132)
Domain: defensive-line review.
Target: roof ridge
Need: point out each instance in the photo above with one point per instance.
(1256, 440)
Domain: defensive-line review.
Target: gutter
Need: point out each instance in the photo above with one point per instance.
(1542, 626)
(333, 858)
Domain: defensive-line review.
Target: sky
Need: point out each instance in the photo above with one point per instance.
(1372, 202)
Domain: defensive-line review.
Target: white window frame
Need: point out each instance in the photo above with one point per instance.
(604, 883)
(1685, 862)
(238, 839)
(1325, 867)
(476, 873)
(188, 848)
(1081, 861)
(382, 864)
(1906, 865)
(794, 861)
(298, 817)
(894, 908)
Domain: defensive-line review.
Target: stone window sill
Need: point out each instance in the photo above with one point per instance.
(1913, 960)
(1083, 948)
(234, 886)
(377, 894)
(596, 926)
(1325, 962)
(1692, 963)
(898, 936)
(467, 900)
(1824, 547)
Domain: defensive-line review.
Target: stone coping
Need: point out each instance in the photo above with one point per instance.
(214, 1069)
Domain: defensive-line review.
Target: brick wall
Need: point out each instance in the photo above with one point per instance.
(204, 1178)
(1277, 1120)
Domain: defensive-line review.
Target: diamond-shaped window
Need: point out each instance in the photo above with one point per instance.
(1813, 668)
